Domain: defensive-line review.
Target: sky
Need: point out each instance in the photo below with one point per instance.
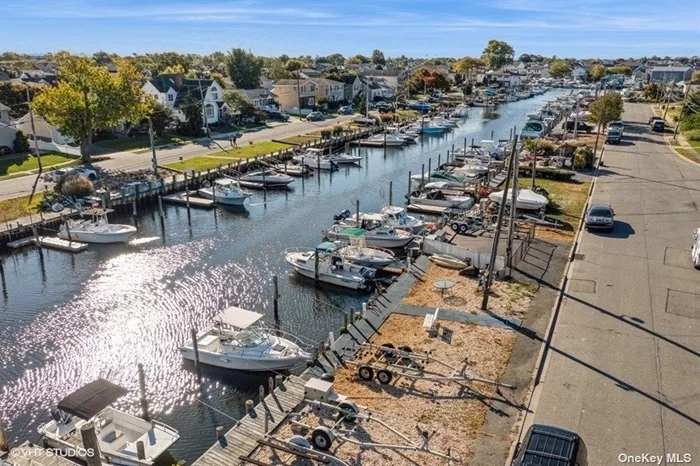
(416, 28)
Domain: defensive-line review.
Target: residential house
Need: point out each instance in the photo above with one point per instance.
(640, 73)
(267, 83)
(258, 98)
(7, 130)
(392, 78)
(329, 89)
(38, 76)
(578, 72)
(353, 86)
(693, 85)
(172, 89)
(295, 93)
(4, 76)
(309, 73)
(378, 90)
(44, 131)
(672, 74)
(504, 78)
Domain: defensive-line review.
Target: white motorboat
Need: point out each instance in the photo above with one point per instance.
(511, 98)
(451, 179)
(266, 178)
(342, 159)
(380, 140)
(332, 269)
(117, 432)
(237, 341)
(95, 230)
(532, 129)
(397, 217)
(448, 261)
(526, 199)
(472, 167)
(444, 122)
(460, 111)
(435, 196)
(380, 237)
(315, 158)
(358, 253)
(225, 191)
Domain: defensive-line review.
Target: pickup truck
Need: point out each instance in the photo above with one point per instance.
(614, 136)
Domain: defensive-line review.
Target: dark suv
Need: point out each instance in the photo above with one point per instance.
(570, 125)
(551, 446)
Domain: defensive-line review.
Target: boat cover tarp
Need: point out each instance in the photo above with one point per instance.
(326, 246)
(238, 317)
(352, 231)
(92, 398)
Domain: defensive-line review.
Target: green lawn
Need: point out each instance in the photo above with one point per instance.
(567, 199)
(12, 165)
(689, 154)
(140, 142)
(18, 207)
(198, 164)
(246, 151)
(303, 139)
(406, 114)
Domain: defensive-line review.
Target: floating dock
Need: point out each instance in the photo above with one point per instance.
(48, 242)
(243, 437)
(194, 199)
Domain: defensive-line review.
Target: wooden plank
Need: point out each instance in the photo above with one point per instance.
(247, 459)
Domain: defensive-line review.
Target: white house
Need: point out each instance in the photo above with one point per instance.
(504, 78)
(391, 78)
(258, 98)
(579, 72)
(7, 129)
(333, 91)
(353, 86)
(172, 89)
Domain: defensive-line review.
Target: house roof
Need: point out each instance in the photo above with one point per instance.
(325, 81)
(395, 73)
(178, 82)
(349, 78)
(309, 73)
(662, 69)
(4, 107)
(290, 82)
(253, 94)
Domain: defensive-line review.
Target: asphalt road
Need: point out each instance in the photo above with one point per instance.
(624, 367)
(131, 161)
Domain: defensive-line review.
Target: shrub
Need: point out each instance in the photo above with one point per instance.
(20, 144)
(326, 133)
(5, 150)
(584, 157)
(691, 122)
(545, 147)
(337, 130)
(694, 135)
(384, 117)
(74, 185)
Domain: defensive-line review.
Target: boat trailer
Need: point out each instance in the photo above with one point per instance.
(388, 362)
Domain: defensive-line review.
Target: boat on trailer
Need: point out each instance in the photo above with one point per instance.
(118, 433)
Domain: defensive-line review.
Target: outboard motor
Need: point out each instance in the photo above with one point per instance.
(342, 215)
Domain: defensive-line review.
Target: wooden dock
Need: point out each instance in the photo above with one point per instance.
(194, 199)
(243, 437)
(48, 242)
(29, 454)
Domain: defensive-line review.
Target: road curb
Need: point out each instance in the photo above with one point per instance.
(540, 371)
(678, 154)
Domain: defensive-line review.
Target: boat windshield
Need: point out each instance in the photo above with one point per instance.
(248, 338)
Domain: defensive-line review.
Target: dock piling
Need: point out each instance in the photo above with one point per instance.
(316, 268)
(422, 175)
(261, 393)
(142, 393)
(267, 421)
(364, 310)
(439, 155)
(160, 207)
(408, 193)
(140, 450)
(134, 213)
(187, 203)
(331, 339)
(87, 432)
(219, 432)
(249, 406)
(391, 192)
(271, 384)
(195, 346)
(465, 147)
(276, 297)
(430, 166)
(4, 444)
(492, 135)
(357, 213)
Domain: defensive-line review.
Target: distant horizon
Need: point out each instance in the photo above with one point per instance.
(582, 29)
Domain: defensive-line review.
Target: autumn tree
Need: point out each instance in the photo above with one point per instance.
(596, 72)
(606, 108)
(425, 79)
(161, 118)
(89, 99)
(378, 57)
(497, 54)
(357, 60)
(15, 97)
(469, 66)
(559, 69)
(619, 69)
(244, 69)
(238, 103)
(294, 64)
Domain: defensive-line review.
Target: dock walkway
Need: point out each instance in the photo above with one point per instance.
(243, 437)
(29, 454)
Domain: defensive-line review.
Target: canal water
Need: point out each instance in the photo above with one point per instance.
(66, 319)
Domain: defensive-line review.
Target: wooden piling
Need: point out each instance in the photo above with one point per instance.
(91, 445)
(160, 207)
(271, 384)
(438, 165)
(465, 147)
(133, 206)
(249, 404)
(276, 297)
(195, 346)
(408, 193)
(219, 432)
(422, 175)
(391, 192)
(316, 268)
(357, 213)
(430, 163)
(187, 203)
(4, 444)
(142, 393)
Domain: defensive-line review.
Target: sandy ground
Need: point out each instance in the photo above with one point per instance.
(452, 413)
(506, 299)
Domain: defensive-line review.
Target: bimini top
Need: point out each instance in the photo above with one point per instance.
(92, 398)
(238, 317)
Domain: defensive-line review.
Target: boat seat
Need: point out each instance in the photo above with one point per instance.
(109, 433)
(430, 322)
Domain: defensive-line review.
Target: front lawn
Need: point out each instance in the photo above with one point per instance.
(566, 202)
(11, 165)
(18, 207)
(198, 164)
(303, 139)
(140, 142)
(247, 151)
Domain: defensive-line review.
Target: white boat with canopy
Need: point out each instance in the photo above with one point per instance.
(332, 268)
(225, 191)
(237, 341)
(526, 199)
(95, 230)
(118, 433)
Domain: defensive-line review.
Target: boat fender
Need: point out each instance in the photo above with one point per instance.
(431, 227)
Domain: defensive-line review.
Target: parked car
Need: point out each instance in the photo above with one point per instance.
(614, 136)
(654, 118)
(346, 110)
(315, 116)
(277, 116)
(658, 125)
(363, 121)
(57, 174)
(695, 250)
(617, 125)
(600, 216)
(570, 125)
(551, 446)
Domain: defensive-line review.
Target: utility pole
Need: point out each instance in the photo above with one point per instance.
(298, 96)
(511, 219)
(204, 111)
(680, 116)
(499, 225)
(153, 148)
(575, 119)
(668, 100)
(36, 143)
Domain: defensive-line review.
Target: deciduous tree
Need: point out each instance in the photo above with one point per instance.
(620, 69)
(497, 54)
(596, 72)
(238, 103)
(192, 108)
(294, 64)
(469, 66)
(378, 57)
(559, 69)
(161, 118)
(244, 69)
(606, 108)
(89, 99)
(426, 79)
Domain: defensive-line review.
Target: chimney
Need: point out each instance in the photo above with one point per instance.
(178, 81)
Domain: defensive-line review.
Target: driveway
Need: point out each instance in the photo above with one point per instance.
(624, 365)
(128, 161)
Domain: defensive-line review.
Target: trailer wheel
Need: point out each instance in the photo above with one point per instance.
(322, 438)
(463, 228)
(384, 377)
(455, 226)
(349, 411)
(365, 372)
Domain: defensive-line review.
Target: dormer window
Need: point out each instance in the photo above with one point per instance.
(170, 98)
(215, 94)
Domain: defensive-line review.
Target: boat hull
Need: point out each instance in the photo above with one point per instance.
(238, 200)
(331, 279)
(242, 364)
(374, 242)
(99, 237)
